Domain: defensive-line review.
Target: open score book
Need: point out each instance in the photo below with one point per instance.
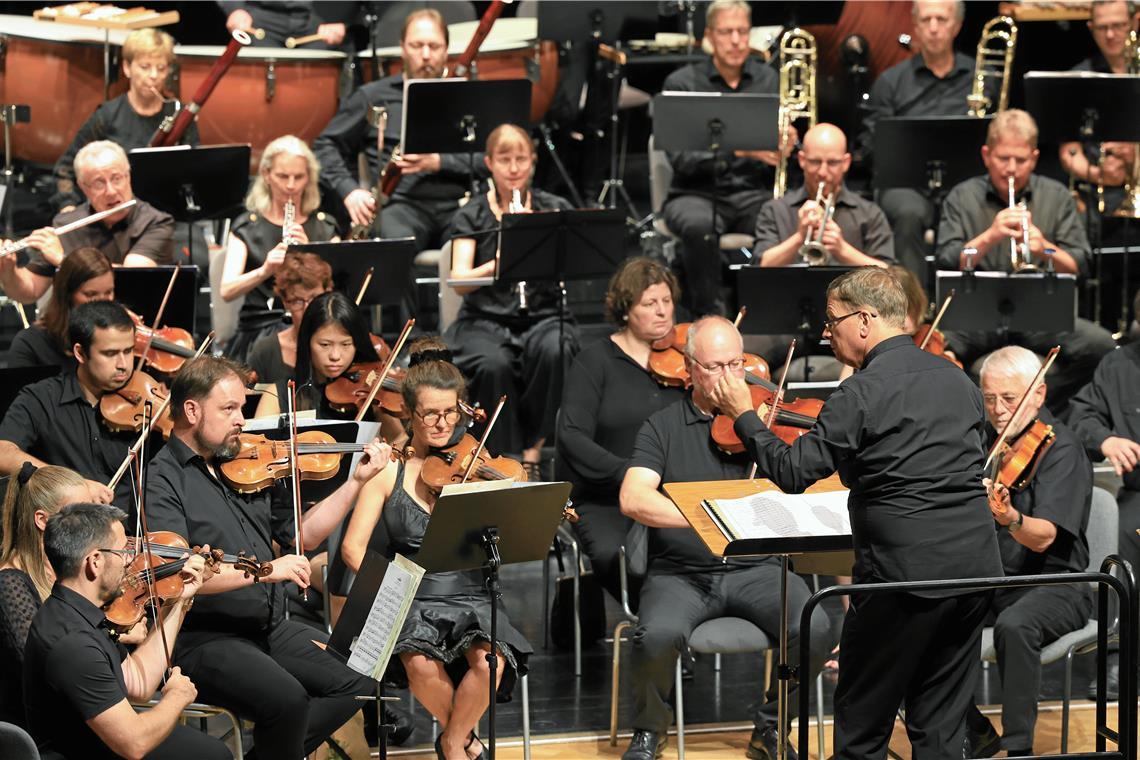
(773, 514)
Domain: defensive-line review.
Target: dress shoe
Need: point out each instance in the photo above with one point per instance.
(981, 741)
(400, 725)
(645, 745)
(765, 742)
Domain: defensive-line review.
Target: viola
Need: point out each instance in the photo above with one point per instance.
(349, 391)
(169, 348)
(261, 461)
(168, 552)
(445, 466)
(1016, 463)
(933, 341)
(123, 409)
(793, 419)
(667, 360)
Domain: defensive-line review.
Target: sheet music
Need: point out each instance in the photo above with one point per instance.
(373, 646)
(475, 486)
(773, 514)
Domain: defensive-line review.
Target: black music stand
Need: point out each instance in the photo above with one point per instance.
(489, 528)
(1089, 107)
(786, 301)
(929, 154)
(390, 261)
(456, 115)
(192, 184)
(989, 301)
(141, 289)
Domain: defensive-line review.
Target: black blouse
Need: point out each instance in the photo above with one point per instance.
(265, 359)
(34, 347)
(19, 603)
(260, 237)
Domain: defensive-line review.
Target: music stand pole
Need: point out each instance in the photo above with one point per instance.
(614, 184)
(489, 540)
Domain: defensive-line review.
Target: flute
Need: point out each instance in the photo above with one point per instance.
(19, 245)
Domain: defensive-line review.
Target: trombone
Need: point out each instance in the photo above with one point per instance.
(797, 93)
(993, 60)
(1129, 208)
(813, 252)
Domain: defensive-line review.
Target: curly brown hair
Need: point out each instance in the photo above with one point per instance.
(630, 280)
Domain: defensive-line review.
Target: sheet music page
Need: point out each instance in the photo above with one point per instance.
(773, 514)
(373, 646)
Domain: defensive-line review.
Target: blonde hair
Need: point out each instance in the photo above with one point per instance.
(148, 42)
(259, 197)
(1015, 123)
(23, 542)
(506, 135)
(1011, 361)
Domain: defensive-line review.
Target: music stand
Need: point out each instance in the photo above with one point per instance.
(192, 184)
(1089, 107)
(488, 528)
(141, 289)
(786, 301)
(456, 115)
(390, 261)
(1029, 302)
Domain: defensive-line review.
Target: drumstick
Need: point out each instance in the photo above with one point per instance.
(257, 34)
(292, 42)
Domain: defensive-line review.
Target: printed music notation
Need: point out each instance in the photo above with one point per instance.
(106, 16)
(377, 639)
(778, 515)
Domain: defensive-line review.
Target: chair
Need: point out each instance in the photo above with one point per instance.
(223, 314)
(449, 300)
(202, 712)
(1103, 540)
(566, 536)
(16, 743)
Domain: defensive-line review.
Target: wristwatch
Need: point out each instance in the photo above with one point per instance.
(1016, 524)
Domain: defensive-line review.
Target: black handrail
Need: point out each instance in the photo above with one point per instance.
(1126, 594)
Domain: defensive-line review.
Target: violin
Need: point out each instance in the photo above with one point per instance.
(162, 572)
(349, 391)
(793, 419)
(261, 461)
(1017, 462)
(449, 465)
(667, 360)
(932, 340)
(123, 409)
(168, 349)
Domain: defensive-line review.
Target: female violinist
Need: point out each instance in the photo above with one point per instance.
(287, 179)
(83, 276)
(506, 337)
(442, 648)
(609, 393)
(302, 277)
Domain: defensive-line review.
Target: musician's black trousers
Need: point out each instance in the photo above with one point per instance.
(602, 529)
(185, 743)
(425, 220)
(672, 606)
(690, 217)
(910, 215)
(900, 647)
(295, 693)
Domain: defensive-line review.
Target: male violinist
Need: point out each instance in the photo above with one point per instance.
(57, 420)
(238, 646)
(685, 584)
(1040, 529)
(906, 435)
(78, 680)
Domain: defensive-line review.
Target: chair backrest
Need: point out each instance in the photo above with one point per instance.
(660, 176)
(16, 743)
(637, 550)
(223, 314)
(449, 300)
(1103, 531)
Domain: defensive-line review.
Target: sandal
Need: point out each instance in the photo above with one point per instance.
(472, 738)
(832, 665)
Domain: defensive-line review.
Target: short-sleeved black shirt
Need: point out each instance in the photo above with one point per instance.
(905, 434)
(863, 224)
(677, 444)
(182, 496)
(1060, 492)
(51, 420)
(34, 347)
(144, 230)
(72, 673)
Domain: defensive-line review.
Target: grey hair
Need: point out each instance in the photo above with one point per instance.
(1130, 4)
(92, 149)
(259, 199)
(696, 327)
(959, 10)
(717, 6)
(74, 531)
(873, 287)
(1011, 361)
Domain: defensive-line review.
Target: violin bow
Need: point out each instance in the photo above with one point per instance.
(375, 387)
(137, 445)
(776, 399)
(158, 315)
(937, 318)
(483, 439)
(1037, 380)
(739, 317)
(364, 287)
(295, 473)
(149, 569)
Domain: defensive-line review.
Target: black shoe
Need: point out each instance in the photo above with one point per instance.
(400, 725)
(764, 744)
(1018, 752)
(1111, 683)
(439, 747)
(645, 745)
(981, 742)
(471, 739)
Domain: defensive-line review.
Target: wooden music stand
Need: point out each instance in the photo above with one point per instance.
(688, 498)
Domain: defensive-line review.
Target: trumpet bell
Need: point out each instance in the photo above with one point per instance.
(814, 254)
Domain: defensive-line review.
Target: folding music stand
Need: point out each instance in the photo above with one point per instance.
(456, 115)
(141, 289)
(1028, 302)
(489, 528)
(712, 121)
(390, 261)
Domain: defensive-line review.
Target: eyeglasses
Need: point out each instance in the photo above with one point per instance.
(728, 31)
(717, 367)
(829, 324)
(99, 185)
(450, 416)
(298, 304)
(125, 554)
(815, 163)
(1119, 27)
(1008, 400)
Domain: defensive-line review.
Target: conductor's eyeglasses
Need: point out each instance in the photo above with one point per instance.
(829, 324)
(431, 419)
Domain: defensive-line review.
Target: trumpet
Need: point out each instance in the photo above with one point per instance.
(813, 252)
(290, 219)
(516, 207)
(1129, 208)
(1019, 256)
(797, 93)
(993, 61)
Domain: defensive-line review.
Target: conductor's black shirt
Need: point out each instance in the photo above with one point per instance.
(677, 444)
(182, 496)
(906, 434)
(72, 673)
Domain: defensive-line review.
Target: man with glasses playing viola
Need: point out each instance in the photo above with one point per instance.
(685, 584)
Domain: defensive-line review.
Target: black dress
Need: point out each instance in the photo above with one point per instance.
(260, 314)
(450, 611)
(19, 603)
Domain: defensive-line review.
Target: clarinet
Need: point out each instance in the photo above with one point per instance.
(516, 207)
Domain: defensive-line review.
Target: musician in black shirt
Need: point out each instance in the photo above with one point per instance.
(1040, 529)
(78, 680)
(906, 434)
